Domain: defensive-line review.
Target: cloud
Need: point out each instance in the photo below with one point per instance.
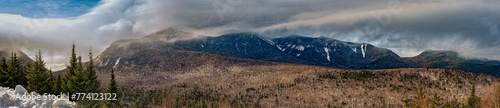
(406, 26)
(109, 21)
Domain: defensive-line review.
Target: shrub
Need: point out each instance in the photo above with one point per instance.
(362, 75)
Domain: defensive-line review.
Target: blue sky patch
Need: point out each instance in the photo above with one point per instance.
(47, 8)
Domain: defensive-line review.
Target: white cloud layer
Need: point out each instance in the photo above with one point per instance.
(109, 21)
(407, 27)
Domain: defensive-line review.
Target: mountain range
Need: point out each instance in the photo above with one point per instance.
(295, 70)
(246, 68)
(154, 49)
(295, 49)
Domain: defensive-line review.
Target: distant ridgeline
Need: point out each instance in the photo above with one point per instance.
(296, 49)
(320, 51)
(7, 53)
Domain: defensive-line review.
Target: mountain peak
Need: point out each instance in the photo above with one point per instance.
(447, 53)
(170, 34)
(6, 52)
(242, 35)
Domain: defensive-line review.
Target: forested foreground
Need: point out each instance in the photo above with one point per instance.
(35, 77)
(235, 89)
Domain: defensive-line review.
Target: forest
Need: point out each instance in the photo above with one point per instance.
(80, 78)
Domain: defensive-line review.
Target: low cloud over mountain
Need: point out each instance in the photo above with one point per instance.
(406, 27)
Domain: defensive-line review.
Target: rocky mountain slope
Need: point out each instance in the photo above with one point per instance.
(6, 50)
(343, 54)
(288, 72)
(452, 60)
(293, 49)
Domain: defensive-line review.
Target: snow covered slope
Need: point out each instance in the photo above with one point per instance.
(344, 54)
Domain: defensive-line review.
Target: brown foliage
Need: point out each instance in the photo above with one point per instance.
(491, 98)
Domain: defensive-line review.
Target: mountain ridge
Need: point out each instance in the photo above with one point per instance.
(321, 51)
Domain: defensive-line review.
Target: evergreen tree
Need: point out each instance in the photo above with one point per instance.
(94, 84)
(4, 76)
(3, 64)
(420, 100)
(68, 84)
(57, 85)
(72, 62)
(39, 77)
(113, 88)
(80, 80)
(52, 81)
(81, 84)
(452, 104)
(16, 72)
(472, 100)
(436, 101)
(77, 83)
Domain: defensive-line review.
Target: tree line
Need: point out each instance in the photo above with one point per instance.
(35, 77)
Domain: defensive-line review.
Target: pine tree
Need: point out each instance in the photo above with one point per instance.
(68, 84)
(436, 101)
(420, 100)
(79, 83)
(39, 77)
(113, 88)
(452, 104)
(472, 100)
(90, 79)
(94, 84)
(57, 85)
(52, 80)
(16, 72)
(4, 76)
(80, 80)
(72, 61)
(3, 63)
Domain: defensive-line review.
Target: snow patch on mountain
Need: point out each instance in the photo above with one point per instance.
(8, 99)
(117, 61)
(267, 40)
(237, 47)
(300, 47)
(354, 49)
(363, 50)
(292, 46)
(327, 53)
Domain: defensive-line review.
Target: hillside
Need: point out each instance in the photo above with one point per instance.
(223, 68)
(264, 83)
(6, 50)
(294, 49)
(248, 81)
(344, 54)
(452, 60)
(7, 53)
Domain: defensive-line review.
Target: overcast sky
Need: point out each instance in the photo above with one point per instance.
(407, 27)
